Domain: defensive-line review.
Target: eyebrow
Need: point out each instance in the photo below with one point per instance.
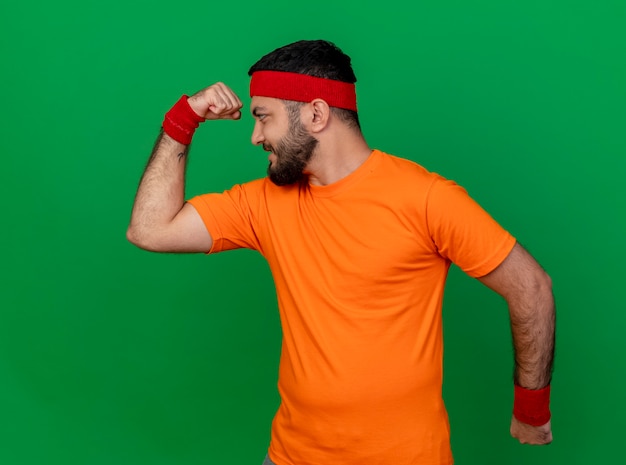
(256, 110)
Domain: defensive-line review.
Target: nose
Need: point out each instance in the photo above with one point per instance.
(257, 134)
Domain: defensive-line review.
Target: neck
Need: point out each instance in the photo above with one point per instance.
(338, 154)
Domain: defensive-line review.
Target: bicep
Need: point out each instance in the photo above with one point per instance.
(185, 233)
(189, 232)
(519, 273)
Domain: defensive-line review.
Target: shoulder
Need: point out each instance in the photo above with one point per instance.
(262, 193)
(404, 167)
(261, 187)
(405, 173)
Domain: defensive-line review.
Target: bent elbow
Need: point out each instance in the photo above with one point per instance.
(132, 236)
(136, 238)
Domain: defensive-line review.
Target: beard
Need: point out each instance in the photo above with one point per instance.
(293, 153)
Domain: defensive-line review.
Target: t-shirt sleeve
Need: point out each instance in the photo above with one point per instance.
(463, 232)
(230, 216)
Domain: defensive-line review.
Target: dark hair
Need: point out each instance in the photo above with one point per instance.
(318, 58)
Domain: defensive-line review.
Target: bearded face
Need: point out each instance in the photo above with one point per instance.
(292, 152)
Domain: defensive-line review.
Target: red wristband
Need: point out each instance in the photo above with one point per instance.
(532, 406)
(181, 121)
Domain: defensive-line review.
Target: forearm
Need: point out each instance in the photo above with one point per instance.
(161, 192)
(533, 329)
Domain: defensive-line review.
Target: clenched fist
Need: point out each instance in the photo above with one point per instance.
(216, 102)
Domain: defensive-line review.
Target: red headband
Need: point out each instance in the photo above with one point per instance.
(303, 88)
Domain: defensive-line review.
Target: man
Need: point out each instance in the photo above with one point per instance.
(359, 244)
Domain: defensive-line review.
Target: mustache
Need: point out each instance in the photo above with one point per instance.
(268, 148)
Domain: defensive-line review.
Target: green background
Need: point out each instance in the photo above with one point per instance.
(113, 355)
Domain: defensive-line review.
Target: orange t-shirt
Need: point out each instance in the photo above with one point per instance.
(360, 267)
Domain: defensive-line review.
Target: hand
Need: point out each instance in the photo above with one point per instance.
(216, 102)
(528, 434)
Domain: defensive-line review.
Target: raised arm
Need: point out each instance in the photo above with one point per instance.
(528, 291)
(161, 221)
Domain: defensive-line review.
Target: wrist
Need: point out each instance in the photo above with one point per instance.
(181, 121)
(532, 406)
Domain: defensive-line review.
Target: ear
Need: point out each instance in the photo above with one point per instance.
(319, 116)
